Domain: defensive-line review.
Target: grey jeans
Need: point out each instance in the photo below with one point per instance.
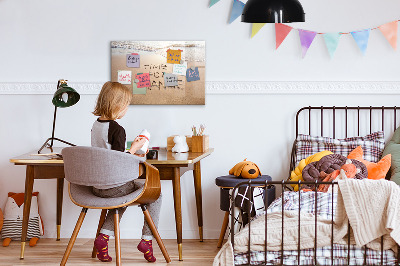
(154, 208)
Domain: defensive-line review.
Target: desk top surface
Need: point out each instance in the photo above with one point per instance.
(164, 157)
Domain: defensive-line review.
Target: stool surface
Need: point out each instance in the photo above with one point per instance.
(230, 181)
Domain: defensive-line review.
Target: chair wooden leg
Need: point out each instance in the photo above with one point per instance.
(101, 222)
(117, 239)
(73, 237)
(223, 229)
(154, 230)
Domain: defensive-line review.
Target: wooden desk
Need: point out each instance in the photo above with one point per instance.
(168, 164)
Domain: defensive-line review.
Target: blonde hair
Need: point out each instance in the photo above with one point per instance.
(112, 99)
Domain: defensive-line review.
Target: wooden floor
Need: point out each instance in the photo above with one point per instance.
(50, 252)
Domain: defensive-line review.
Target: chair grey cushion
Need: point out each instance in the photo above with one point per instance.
(83, 195)
(99, 167)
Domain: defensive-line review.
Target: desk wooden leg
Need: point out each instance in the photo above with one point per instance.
(199, 204)
(27, 206)
(60, 191)
(176, 182)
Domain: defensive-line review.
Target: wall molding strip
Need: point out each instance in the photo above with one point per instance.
(231, 87)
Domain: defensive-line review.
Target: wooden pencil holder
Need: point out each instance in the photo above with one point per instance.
(200, 143)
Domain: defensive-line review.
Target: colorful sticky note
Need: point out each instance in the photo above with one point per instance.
(180, 69)
(174, 56)
(144, 80)
(137, 90)
(170, 80)
(192, 74)
(133, 60)
(124, 76)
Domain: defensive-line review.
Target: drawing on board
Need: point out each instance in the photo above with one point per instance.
(161, 72)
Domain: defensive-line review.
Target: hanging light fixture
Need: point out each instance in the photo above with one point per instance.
(273, 11)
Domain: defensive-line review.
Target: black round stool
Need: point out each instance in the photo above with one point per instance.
(228, 182)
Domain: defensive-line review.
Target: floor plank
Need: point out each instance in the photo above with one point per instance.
(49, 252)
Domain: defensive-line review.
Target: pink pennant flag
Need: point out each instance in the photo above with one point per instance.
(281, 31)
(389, 30)
(306, 39)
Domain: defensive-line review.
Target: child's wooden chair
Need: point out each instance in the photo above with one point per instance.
(85, 167)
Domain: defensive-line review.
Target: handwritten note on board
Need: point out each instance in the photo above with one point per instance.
(125, 77)
(174, 56)
(170, 80)
(192, 74)
(133, 60)
(144, 80)
(180, 69)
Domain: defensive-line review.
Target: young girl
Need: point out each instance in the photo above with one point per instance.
(112, 104)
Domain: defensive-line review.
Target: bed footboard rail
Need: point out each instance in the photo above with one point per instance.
(282, 257)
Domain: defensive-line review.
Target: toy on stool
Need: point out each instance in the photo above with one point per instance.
(13, 215)
(245, 169)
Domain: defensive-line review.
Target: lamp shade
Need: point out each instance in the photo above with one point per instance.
(273, 11)
(65, 96)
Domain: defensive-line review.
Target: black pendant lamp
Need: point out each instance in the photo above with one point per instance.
(273, 11)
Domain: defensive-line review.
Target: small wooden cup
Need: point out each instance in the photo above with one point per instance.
(200, 143)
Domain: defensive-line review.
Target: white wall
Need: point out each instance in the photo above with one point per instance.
(42, 41)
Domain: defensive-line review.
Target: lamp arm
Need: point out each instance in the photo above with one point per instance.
(54, 126)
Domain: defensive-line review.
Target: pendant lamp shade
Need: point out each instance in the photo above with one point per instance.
(273, 11)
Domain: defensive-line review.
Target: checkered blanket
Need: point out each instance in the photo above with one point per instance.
(324, 206)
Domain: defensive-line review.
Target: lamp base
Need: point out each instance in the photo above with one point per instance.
(50, 146)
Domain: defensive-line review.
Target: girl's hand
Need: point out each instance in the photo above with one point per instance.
(137, 144)
(142, 155)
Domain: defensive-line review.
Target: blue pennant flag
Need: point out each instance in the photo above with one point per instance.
(213, 2)
(237, 9)
(361, 37)
(332, 41)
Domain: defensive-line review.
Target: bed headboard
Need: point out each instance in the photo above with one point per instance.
(344, 121)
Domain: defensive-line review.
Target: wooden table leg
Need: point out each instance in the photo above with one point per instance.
(60, 191)
(27, 206)
(199, 204)
(176, 184)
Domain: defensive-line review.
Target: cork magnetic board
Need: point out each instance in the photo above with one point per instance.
(161, 72)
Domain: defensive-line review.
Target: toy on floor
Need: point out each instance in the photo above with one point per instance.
(245, 169)
(180, 144)
(13, 215)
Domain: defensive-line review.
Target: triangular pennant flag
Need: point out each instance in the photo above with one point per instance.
(237, 9)
(256, 27)
(213, 2)
(306, 39)
(281, 31)
(389, 30)
(332, 41)
(361, 37)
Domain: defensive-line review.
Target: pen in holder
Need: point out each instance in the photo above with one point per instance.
(200, 143)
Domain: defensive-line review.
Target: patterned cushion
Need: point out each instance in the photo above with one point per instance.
(372, 144)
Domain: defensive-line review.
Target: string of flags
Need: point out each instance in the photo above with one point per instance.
(361, 37)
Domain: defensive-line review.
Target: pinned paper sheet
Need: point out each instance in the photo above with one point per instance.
(192, 74)
(125, 77)
(170, 80)
(133, 60)
(137, 90)
(174, 56)
(180, 69)
(144, 80)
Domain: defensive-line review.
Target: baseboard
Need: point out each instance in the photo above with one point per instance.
(231, 87)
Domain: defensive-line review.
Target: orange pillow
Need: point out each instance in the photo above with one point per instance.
(375, 170)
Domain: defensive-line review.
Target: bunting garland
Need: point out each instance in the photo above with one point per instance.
(361, 37)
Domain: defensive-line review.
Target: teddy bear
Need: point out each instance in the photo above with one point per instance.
(180, 144)
(245, 169)
(13, 215)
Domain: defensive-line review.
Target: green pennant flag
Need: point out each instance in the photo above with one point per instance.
(213, 2)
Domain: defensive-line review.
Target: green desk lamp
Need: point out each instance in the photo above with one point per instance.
(65, 96)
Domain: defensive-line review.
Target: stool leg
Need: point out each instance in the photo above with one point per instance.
(101, 222)
(223, 229)
(117, 239)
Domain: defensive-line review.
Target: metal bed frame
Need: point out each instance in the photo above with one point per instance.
(283, 184)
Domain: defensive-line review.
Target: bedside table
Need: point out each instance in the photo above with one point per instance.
(228, 182)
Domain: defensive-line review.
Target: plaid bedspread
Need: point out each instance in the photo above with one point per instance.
(307, 202)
